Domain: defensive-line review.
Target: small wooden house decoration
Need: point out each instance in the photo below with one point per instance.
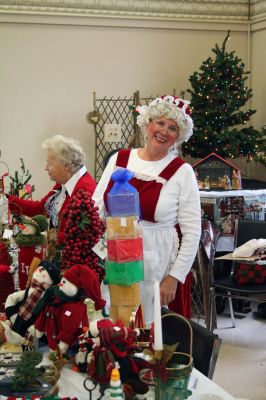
(215, 173)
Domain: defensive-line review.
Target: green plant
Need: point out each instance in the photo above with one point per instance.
(26, 373)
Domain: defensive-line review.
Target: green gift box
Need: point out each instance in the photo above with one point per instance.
(125, 274)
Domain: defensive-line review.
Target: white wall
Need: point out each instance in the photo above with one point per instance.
(48, 73)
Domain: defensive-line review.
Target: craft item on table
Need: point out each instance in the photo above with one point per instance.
(226, 182)
(123, 198)
(236, 180)
(83, 231)
(125, 274)
(170, 374)
(6, 275)
(122, 227)
(158, 338)
(115, 391)
(19, 305)
(124, 263)
(86, 342)
(26, 379)
(115, 344)
(124, 300)
(250, 273)
(228, 224)
(200, 185)
(125, 250)
(62, 314)
(33, 266)
(207, 183)
(7, 347)
(30, 241)
(251, 248)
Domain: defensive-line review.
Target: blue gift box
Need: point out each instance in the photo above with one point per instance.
(123, 198)
(123, 204)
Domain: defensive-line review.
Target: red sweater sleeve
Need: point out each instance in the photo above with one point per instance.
(29, 207)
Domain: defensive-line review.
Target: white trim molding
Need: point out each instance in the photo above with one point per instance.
(230, 10)
(257, 15)
(138, 13)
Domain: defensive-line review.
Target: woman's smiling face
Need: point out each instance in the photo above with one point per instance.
(162, 133)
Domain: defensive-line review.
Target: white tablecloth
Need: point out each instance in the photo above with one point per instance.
(232, 193)
(71, 384)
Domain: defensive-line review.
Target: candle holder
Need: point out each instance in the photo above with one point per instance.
(173, 385)
(171, 377)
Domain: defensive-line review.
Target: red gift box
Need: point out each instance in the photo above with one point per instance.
(125, 250)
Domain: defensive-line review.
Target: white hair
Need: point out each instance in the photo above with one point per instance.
(67, 150)
(168, 107)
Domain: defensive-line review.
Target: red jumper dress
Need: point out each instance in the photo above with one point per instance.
(149, 192)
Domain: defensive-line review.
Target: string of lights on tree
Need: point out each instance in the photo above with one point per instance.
(218, 96)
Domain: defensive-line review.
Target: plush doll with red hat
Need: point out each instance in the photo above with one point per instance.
(114, 344)
(19, 305)
(62, 313)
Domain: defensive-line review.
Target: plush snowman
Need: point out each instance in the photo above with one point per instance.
(19, 305)
(31, 229)
(63, 313)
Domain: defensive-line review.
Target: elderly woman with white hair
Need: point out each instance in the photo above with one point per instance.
(169, 201)
(65, 166)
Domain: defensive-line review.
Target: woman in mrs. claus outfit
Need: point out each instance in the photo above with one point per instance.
(169, 195)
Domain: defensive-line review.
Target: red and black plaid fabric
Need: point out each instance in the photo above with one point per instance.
(250, 274)
(25, 310)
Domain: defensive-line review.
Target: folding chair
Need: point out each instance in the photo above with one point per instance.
(227, 287)
(205, 344)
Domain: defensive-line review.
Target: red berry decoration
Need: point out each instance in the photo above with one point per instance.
(83, 230)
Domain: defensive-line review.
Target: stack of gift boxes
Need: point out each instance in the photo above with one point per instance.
(124, 263)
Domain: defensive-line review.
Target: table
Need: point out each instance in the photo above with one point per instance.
(71, 384)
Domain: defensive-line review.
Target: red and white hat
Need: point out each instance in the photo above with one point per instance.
(86, 279)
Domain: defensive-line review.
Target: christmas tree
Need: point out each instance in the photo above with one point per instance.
(260, 156)
(19, 185)
(218, 97)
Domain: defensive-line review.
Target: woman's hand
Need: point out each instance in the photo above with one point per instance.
(168, 288)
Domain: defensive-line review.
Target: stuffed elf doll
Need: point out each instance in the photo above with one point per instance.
(30, 241)
(62, 312)
(112, 344)
(19, 305)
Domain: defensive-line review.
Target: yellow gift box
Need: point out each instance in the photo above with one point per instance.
(122, 227)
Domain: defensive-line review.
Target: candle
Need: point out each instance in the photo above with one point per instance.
(158, 339)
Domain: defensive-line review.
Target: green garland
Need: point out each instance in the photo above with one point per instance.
(29, 240)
